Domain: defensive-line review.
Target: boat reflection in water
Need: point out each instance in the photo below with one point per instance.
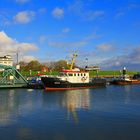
(75, 101)
(6, 107)
(17, 103)
(105, 113)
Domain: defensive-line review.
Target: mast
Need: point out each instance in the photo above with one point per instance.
(73, 60)
(17, 57)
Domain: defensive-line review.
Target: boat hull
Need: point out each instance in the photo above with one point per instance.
(123, 82)
(56, 84)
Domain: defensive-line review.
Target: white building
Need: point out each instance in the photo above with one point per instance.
(6, 60)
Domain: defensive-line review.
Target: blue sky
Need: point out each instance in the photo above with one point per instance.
(107, 32)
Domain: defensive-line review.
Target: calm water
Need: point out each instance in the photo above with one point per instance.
(111, 113)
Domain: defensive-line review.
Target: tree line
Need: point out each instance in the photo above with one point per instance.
(35, 65)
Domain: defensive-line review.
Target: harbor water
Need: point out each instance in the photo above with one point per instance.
(111, 113)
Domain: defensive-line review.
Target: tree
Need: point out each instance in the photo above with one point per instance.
(57, 66)
(33, 65)
(22, 65)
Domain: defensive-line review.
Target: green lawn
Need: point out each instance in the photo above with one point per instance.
(92, 73)
(110, 73)
(35, 73)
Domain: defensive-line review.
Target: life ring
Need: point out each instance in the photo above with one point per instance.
(83, 79)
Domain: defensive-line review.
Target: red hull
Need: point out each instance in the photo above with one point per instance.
(123, 82)
(76, 88)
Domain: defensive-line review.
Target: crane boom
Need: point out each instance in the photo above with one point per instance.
(73, 60)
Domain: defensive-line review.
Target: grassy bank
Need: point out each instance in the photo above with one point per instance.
(92, 73)
(35, 73)
(110, 73)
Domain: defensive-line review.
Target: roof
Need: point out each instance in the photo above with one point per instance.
(73, 71)
(7, 56)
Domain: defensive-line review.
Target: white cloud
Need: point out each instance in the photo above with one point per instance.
(24, 17)
(42, 38)
(25, 47)
(124, 10)
(4, 21)
(58, 13)
(68, 44)
(5, 18)
(133, 6)
(53, 41)
(9, 45)
(84, 10)
(77, 7)
(92, 15)
(92, 36)
(66, 30)
(134, 56)
(28, 58)
(42, 10)
(105, 47)
(22, 1)
(4, 39)
(131, 60)
(119, 14)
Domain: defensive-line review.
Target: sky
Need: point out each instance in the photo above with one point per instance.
(103, 32)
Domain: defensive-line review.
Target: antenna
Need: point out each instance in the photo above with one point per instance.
(17, 65)
(17, 57)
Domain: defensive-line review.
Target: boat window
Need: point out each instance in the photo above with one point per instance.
(84, 74)
(70, 74)
(78, 74)
(63, 74)
(81, 74)
(74, 74)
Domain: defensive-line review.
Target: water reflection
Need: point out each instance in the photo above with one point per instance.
(96, 113)
(75, 100)
(6, 107)
(20, 103)
(127, 88)
(15, 103)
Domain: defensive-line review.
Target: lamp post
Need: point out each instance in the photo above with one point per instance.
(86, 62)
(30, 72)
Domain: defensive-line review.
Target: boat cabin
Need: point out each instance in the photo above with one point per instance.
(75, 76)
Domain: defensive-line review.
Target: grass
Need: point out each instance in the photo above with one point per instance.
(92, 73)
(35, 73)
(110, 73)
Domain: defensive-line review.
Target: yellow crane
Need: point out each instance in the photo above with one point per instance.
(73, 60)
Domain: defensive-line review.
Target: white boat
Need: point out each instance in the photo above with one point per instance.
(71, 78)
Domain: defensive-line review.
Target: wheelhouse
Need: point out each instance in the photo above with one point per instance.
(75, 76)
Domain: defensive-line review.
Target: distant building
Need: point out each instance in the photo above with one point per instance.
(6, 60)
(93, 68)
(45, 69)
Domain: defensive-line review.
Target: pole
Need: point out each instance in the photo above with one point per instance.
(17, 57)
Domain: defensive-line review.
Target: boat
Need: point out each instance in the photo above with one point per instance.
(70, 79)
(35, 83)
(136, 76)
(126, 79)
